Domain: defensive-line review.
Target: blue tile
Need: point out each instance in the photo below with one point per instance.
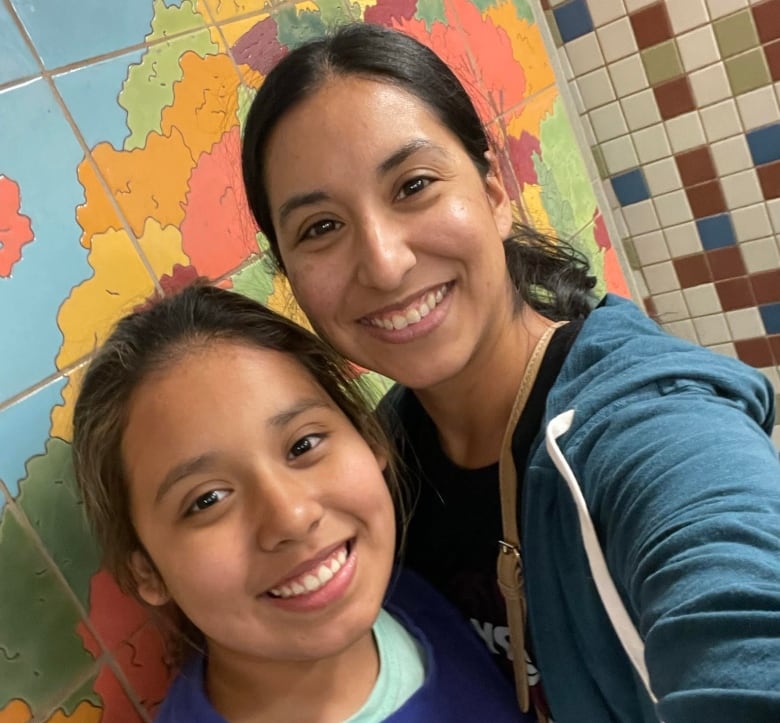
(573, 19)
(770, 314)
(716, 231)
(16, 60)
(764, 144)
(630, 187)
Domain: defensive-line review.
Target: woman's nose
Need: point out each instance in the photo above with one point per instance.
(383, 254)
(287, 511)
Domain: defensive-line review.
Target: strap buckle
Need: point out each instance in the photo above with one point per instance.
(507, 548)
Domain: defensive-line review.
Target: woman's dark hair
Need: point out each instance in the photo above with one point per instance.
(547, 273)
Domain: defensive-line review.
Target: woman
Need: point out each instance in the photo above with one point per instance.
(394, 228)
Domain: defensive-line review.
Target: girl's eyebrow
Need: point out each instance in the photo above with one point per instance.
(304, 405)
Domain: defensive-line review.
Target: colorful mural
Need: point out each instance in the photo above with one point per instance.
(119, 182)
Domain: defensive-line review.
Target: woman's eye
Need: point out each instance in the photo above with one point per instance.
(207, 500)
(305, 444)
(321, 228)
(414, 186)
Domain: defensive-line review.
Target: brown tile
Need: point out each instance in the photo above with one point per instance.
(692, 270)
(651, 25)
(774, 343)
(766, 286)
(767, 17)
(769, 177)
(674, 97)
(650, 307)
(696, 166)
(706, 199)
(726, 263)
(772, 52)
(755, 352)
(735, 293)
(545, 4)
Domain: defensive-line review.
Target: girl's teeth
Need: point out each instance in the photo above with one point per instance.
(439, 296)
(313, 581)
(424, 310)
(400, 322)
(413, 316)
(430, 300)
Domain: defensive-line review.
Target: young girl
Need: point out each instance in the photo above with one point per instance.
(647, 487)
(235, 477)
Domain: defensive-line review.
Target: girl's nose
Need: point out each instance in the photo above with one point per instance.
(383, 255)
(287, 511)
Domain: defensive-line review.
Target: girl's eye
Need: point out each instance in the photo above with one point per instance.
(305, 444)
(320, 228)
(207, 500)
(414, 186)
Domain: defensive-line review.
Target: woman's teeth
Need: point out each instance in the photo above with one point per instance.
(314, 580)
(414, 314)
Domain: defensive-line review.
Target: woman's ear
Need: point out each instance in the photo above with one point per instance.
(498, 196)
(151, 588)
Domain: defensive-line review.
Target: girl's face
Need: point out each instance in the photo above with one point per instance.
(391, 238)
(264, 511)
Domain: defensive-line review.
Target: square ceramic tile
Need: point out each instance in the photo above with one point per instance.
(719, 8)
(685, 132)
(651, 25)
(742, 189)
(17, 60)
(731, 155)
(682, 330)
(721, 120)
(573, 20)
(584, 54)
(728, 349)
(617, 40)
(747, 71)
(683, 240)
(633, 5)
(710, 84)
(619, 154)
(773, 206)
(673, 208)
(628, 76)
(640, 109)
(595, 88)
(662, 176)
(698, 48)
(662, 62)
(652, 143)
(641, 218)
(745, 323)
(751, 222)
(758, 108)
(605, 11)
(661, 277)
(670, 306)
(760, 255)
(736, 33)
(712, 329)
(651, 248)
(686, 14)
(608, 122)
(702, 300)
(630, 187)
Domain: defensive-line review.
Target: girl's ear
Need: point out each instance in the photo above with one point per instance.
(151, 588)
(498, 196)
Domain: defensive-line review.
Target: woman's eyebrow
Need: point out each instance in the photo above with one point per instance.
(299, 200)
(408, 149)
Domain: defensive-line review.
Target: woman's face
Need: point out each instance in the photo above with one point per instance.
(390, 236)
(264, 511)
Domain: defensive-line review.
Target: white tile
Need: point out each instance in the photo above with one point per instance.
(670, 307)
(632, 5)
(698, 48)
(719, 8)
(652, 143)
(758, 108)
(640, 109)
(651, 248)
(555, 3)
(628, 75)
(619, 154)
(773, 375)
(640, 217)
(661, 277)
(773, 206)
(685, 132)
(721, 121)
(611, 198)
(751, 222)
(702, 300)
(605, 11)
(731, 155)
(595, 88)
(608, 122)
(584, 54)
(712, 329)
(745, 323)
(683, 240)
(662, 176)
(727, 349)
(574, 88)
(673, 208)
(760, 255)
(776, 436)
(686, 14)
(742, 189)
(617, 40)
(710, 85)
(682, 330)
(641, 286)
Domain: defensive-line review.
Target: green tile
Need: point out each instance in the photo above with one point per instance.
(631, 255)
(747, 71)
(601, 163)
(736, 33)
(662, 62)
(556, 33)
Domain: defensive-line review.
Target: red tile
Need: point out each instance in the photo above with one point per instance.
(674, 97)
(766, 286)
(774, 343)
(755, 352)
(726, 263)
(706, 199)
(696, 166)
(769, 177)
(767, 17)
(772, 52)
(651, 25)
(692, 270)
(735, 293)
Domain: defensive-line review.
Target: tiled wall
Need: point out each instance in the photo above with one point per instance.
(119, 180)
(679, 102)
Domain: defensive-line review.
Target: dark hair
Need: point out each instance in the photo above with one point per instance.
(148, 341)
(547, 273)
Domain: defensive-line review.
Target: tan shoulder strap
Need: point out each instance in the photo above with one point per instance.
(510, 563)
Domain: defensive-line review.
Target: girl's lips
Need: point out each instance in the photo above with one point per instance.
(311, 564)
